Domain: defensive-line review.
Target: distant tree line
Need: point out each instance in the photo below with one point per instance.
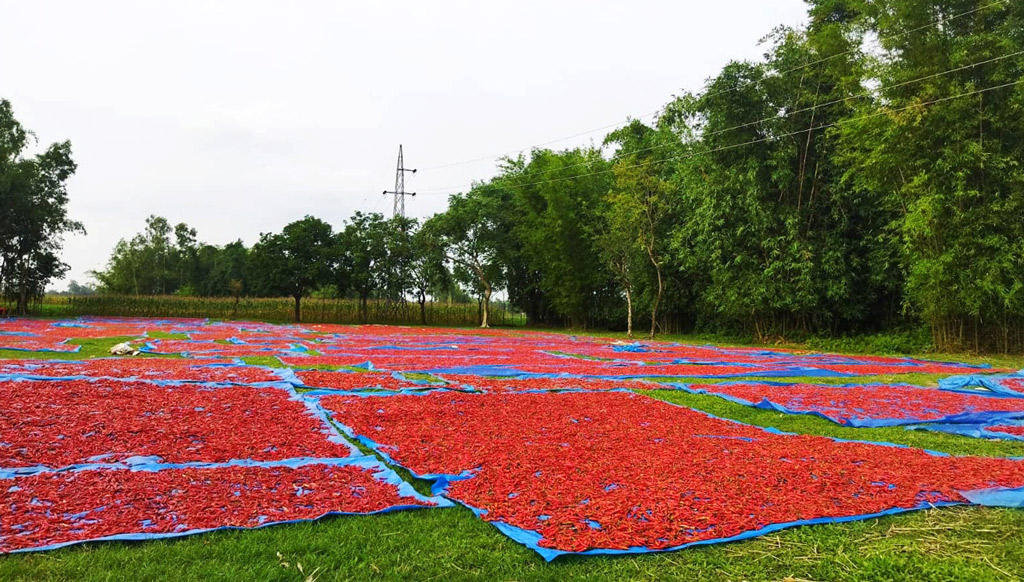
(370, 257)
(865, 175)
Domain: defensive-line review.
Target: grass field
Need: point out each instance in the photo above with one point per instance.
(451, 544)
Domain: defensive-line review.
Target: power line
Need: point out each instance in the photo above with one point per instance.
(791, 113)
(736, 87)
(763, 139)
(539, 145)
(810, 108)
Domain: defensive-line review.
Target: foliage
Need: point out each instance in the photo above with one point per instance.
(555, 196)
(33, 211)
(641, 203)
(957, 195)
(469, 236)
(296, 261)
(314, 309)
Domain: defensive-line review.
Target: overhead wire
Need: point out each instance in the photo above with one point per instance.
(865, 94)
(736, 87)
(886, 111)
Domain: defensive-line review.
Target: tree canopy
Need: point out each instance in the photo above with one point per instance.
(33, 211)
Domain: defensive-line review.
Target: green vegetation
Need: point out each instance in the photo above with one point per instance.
(33, 212)
(859, 190)
(91, 348)
(450, 544)
(314, 310)
(295, 262)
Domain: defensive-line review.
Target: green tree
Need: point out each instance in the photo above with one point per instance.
(469, 236)
(428, 269)
(395, 272)
(33, 211)
(641, 202)
(942, 140)
(557, 194)
(362, 252)
(74, 288)
(615, 240)
(295, 261)
(771, 233)
(151, 263)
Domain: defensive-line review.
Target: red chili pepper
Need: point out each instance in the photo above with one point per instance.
(641, 471)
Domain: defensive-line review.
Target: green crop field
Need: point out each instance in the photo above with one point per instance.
(343, 311)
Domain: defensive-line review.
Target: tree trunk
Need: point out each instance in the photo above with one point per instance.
(423, 308)
(657, 298)
(487, 306)
(22, 308)
(629, 312)
(298, 308)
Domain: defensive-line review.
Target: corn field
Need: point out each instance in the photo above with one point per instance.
(344, 311)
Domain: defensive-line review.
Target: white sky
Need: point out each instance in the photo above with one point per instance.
(239, 117)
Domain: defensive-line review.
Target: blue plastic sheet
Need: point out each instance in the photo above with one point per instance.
(284, 375)
(47, 350)
(381, 473)
(989, 497)
(211, 349)
(531, 539)
(512, 372)
(991, 382)
(976, 430)
(328, 428)
(986, 417)
(633, 347)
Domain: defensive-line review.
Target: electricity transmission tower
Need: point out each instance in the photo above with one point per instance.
(399, 191)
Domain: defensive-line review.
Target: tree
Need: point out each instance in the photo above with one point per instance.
(639, 204)
(74, 288)
(362, 252)
(942, 141)
(775, 239)
(222, 270)
(428, 269)
(395, 272)
(295, 261)
(615, 240)
(151, 263)
(33, 211)
(468, 235)
(556, 195)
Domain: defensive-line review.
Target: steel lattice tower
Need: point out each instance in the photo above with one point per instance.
(399, 191)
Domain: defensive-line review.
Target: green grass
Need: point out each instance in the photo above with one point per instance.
(982, 544)
(806, 424)
(92, 348)
(450, 544)
(916, 379)
(424, 376)
(270, 361)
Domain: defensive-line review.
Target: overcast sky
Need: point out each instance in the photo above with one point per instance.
(239, 117)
